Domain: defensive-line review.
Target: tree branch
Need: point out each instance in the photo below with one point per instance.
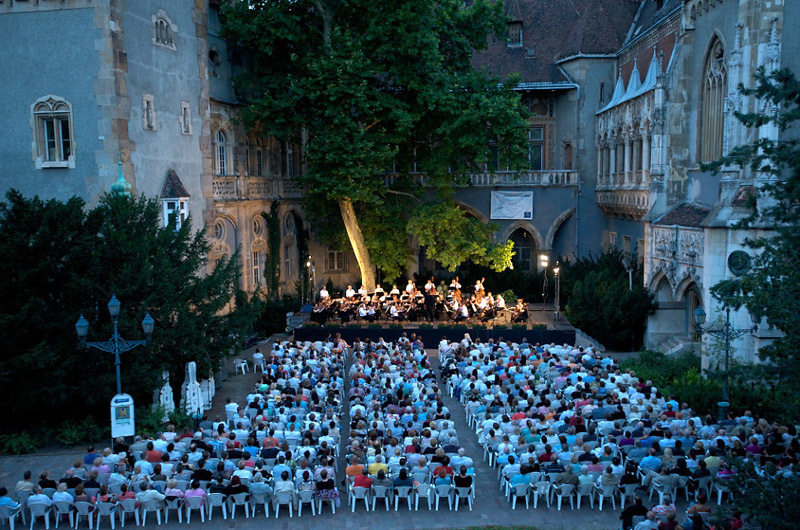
(406, 194)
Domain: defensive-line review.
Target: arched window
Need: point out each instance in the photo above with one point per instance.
(221, 151)
(524, 249)
(714, 89)
(53, 132)
(163, 30)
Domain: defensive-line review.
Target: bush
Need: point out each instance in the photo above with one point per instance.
(499, 326)
(509, 296)
(149, 421)
(425, 325)
(72, 434)
(374, 325)
(19, 444)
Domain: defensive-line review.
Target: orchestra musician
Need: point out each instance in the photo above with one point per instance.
(395, 291)
(520, 312)
(349, 293)
(324, 295)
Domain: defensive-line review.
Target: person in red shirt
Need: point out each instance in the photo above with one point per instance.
(152, 455)
(362, 480)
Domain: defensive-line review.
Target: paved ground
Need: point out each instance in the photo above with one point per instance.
(490, 507)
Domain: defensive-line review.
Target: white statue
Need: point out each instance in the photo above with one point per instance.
(166, 399)
(193, 403)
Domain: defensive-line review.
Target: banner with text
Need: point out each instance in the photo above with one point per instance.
(512, 205)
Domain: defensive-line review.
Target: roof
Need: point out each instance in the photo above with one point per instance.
(649, 16)
(555, 29)
(687, 214)
(173, 187)
(742, 195)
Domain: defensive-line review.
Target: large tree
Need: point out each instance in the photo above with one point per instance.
(376, 89)
(58, 260)
(771, 287)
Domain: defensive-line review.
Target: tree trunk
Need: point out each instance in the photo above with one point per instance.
(358, 244)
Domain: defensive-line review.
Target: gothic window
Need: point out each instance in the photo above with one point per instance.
(163, 30)
(524, 250)
(53, 132)
(221, 151)
(258, 261)
(258, 225)
(714, 89)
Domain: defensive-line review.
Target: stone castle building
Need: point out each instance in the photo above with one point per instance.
(628, 97)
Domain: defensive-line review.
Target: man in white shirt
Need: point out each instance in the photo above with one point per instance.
(324, 294)
(362, 291)
(39, 498)
(410, 287)
(429, 286)
(349, 293)
(395, 291)
(147, 494)
(231, 407)
(455, 285)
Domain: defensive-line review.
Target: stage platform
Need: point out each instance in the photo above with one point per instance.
(542, 327)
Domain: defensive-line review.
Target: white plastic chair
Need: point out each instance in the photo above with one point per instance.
(520, 490)
(444, 491)
(86, 509)
(10, 515)
(721, 489)
(607, 492)
(241, 365)
(63, 508)
(562, 491)
(423, 491)
(173, 504)
(109, 509)
(40, 510)
(125, 507)
(703, 484)
(214, 500)
(541, 488)
(463, 493)
(359, 492)
(627, 491)
(195, 503)
(259, 499)
(306, 497)
(586, 489)
(23, 503)
(239, 499)
(403, 492)
(285, 498)
(153, 505)
(381, 492)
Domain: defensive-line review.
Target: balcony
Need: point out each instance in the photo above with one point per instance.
(557, 177)
(630, 203)
(238, 188)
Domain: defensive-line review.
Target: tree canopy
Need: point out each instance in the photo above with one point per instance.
(772, 285)
(391, 112)
(58, 260)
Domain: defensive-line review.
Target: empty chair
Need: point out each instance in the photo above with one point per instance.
(109, 509)
(721, 488)
(541, 488)
(607, 492)
(63, 508)
(464, 492)
(306, 497)
(152, 505)
(565, 490)
(520, 490)
(124, 508)
(86, 509)
(10, 515)
(195, 503)
(402, 492)
(359, 493)
(380, 492)
(586, 489)
(239, 499)
(444, 491)
(283, 498)
(40, 510)
(424, 491)
(173, 504)
(214, 500)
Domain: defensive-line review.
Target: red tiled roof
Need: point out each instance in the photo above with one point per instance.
(690, 215)
(173, 187)
(555, 29)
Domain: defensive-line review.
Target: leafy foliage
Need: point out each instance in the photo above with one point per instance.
(772, 286)
(385, 93)
(58, 261)
(601, 302)
(19, 443)
(72, 433)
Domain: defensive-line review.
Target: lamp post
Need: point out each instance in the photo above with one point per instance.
(116, 344)
(556, 270)
(544, 261)
(727, 333)
(310, 286)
